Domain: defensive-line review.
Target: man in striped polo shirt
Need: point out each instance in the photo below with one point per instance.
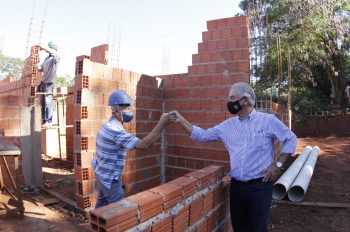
(112, 142)
(249, 139)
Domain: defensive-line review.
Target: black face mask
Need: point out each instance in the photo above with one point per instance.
(234, 107)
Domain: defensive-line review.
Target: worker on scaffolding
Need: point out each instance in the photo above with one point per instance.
(47, 84)
(112, 142)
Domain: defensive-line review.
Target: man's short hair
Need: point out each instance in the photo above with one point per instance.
(117, 107)
(245, 90)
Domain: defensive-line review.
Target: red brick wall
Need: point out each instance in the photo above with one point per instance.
(317, 126)
(94, 82)
(201, 94)
(195, 202)
(13, 95)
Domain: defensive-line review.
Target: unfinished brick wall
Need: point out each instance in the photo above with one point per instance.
(13, 95)
(94, 82)
(10, 128)
(323, 126)
(201, 94)
(195, 202)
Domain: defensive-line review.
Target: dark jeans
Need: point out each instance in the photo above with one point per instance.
(46, 101)
(108, 196)
(250, 204)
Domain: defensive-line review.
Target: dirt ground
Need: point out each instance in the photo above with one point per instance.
(58, 176)
(330, 183)
(37, 217)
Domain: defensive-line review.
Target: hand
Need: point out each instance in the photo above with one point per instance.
(272, 173)
(164, 119)
(175, 116)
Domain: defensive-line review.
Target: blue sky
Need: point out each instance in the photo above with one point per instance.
(146, 28)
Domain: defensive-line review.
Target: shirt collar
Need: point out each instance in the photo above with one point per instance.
(250, 116)
(114, 120)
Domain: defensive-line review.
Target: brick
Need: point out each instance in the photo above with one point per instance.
(86, 187)
(170, 203)
(203, 225)
(216, 172)
(202, 176)
(148, 214)
(84, 143)
(168, 191)
(146, 200)
(85, 202)
(181, 219)
(108, 216)
(86, 173)
(100, 54)
(196, 208)
(212, 221)
(164, 224)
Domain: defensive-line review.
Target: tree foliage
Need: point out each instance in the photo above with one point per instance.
(10, 67)
(318, 34)
(64, 81)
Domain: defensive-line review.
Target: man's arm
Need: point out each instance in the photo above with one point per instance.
(273, 169)
(289, 140)
(178, 118)
(154, 135)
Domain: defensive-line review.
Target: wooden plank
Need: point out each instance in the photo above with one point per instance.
(46, 201)
(7, 146)
(315, 204)
(61, 197)
(10, 153)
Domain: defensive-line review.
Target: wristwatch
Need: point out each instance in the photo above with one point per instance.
(278, 163)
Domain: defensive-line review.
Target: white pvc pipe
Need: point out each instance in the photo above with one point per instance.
(282, 185)
(299, 187)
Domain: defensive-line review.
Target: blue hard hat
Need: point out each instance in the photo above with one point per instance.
(119, 97)
(52, 45)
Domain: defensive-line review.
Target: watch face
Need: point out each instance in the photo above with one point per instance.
(278, 164)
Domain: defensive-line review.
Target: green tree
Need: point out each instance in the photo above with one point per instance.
(10, 67)
(64, 81)
(318, 33)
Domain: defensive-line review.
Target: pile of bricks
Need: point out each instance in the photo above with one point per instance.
(201, 94)
(169, 207)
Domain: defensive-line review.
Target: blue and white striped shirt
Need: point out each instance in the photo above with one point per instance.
(250, 142)
(112, 141)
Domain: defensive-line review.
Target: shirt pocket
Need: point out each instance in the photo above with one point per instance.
(258, 139)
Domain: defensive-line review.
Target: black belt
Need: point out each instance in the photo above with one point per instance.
(233, 180)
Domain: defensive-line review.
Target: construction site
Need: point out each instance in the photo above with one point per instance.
(47, 182)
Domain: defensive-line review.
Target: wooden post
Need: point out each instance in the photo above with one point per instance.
(289, 92)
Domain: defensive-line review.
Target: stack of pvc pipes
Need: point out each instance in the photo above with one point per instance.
(296, 179)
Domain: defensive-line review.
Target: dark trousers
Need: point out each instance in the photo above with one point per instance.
(46, 101)
(250, 204)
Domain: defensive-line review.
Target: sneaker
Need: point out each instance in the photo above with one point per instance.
(46, 125)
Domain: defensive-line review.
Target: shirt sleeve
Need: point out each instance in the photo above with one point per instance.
(281, 132)
(202, 135)
(126, 140)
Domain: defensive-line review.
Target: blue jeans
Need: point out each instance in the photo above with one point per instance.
(46, 101)
(250, 204)
(108, 196)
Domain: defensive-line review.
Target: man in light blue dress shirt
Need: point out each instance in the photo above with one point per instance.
(249, 138)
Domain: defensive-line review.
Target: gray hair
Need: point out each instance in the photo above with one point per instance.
(245, 90)
(115, 108)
